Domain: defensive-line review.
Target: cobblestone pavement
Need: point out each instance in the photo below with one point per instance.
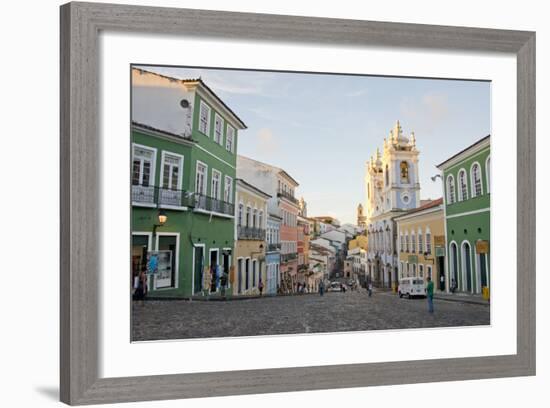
(334, 312)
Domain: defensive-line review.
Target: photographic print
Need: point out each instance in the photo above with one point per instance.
(272, 203)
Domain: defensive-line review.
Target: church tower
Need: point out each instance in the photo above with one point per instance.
(361, 219)
(391, 176)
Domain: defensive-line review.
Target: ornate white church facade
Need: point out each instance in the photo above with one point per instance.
(392, 187)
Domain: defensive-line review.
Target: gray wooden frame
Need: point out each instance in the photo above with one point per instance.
(80, 233)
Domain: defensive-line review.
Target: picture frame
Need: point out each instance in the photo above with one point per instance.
(80, 234)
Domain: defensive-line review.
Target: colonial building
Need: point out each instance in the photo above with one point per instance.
(467, 186)
(281, 187)
(273, 253)
(250, 244)
(184, 141)
(421, 243)
(392, 187)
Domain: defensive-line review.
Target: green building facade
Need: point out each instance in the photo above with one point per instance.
(467, 195)
(184, 170)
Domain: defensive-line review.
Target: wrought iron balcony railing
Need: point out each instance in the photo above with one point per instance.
(250, 233)
(206, 203)
(158, 196)
(288, 257)
(288, 196)
(274, 247)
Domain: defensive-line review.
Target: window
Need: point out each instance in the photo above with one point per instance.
(387, 176)
(204, 119)
(248, 216)
(229, 139)
(420, 271)
(477, 188)
(429, 271)
(200, 180)
(171, 165)
(413, 243)
(462, 185)
(402, 242)
(450, 189)
(404, 167)
(255, 218)
(420, 246)
(261, 219)
(143, 166)
(488, 173)
(428, 242)
(240, 216)
(215, 190)
(406, 242)
(218, 129)
(228, 190)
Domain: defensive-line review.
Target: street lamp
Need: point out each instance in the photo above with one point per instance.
(435, 177)
(162, 217)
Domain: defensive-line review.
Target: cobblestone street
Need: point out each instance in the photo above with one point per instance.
(334, 312)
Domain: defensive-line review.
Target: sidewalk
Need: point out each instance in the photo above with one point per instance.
(461, 297)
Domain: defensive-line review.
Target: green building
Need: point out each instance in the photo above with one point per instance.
(183, 170)
(467, 185)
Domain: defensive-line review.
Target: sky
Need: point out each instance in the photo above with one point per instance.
(322, 128)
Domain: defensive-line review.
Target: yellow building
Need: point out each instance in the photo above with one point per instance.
(360, 241)
(421, 243)
(250, 226)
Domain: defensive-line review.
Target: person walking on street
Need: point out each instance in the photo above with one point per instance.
(453, 285)
(261, 287)
(430, 295)
(321, 288)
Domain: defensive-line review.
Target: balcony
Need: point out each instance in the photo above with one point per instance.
(285, 258)
(288, 196)
(150, 196)
(274, 247)
(250, 233)
(205, 203)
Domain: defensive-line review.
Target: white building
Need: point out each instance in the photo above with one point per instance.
(392, 187)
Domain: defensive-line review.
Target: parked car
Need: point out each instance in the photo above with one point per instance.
(411, 287)
(335, 287)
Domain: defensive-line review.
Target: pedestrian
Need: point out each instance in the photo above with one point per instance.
(321, 288)
(430, 295)
(261, 287)
(442, 282)
(453, 285)
(141, 289)
(370, 289)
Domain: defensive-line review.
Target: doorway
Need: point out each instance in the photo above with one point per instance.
(441, 272)
(198, 267)
(167, 277)
(214, 270)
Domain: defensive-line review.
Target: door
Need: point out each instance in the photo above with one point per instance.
(441, 272)
(214, 277)
(167, 248)
(198, 268)
(483, 270)
(140, 243)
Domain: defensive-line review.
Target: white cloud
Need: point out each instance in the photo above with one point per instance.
(265, 142)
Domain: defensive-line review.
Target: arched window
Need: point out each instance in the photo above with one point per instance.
(387, 175)
(467, 267)
(404, 167)
(240, 217)
(402, 241)
(413, 243)
(420, 271)
(488, 173)
(420, 246)
(475, 174)
(450, 189)
(248, 216)
(462, 185)
(406, 242)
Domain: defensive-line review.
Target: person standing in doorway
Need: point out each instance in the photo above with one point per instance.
(442, 282)
(430, 295)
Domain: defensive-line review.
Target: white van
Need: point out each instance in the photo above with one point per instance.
(411, 287)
